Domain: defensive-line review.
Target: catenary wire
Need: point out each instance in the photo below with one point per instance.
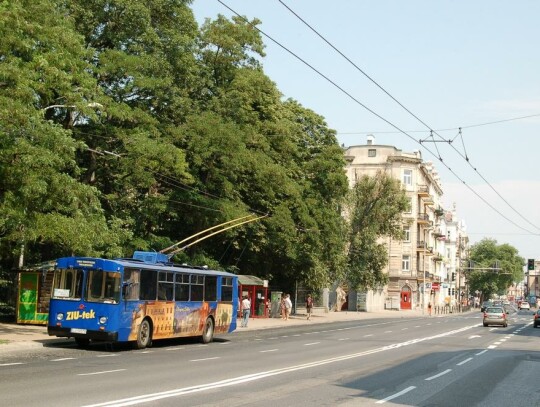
(410, 112)
(374, 113)
(441, 130)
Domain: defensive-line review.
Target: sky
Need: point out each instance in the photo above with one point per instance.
(456, 64)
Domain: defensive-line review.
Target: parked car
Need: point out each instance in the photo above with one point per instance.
(485, 304)
(495, 316)
(524, 305)
(536, 320)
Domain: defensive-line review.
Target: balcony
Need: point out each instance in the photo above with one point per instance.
(423, 218)
(421, 246)
(423, 191)
(438, 257)
(439, 212)
(438, 234)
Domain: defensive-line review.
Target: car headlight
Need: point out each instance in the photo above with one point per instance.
(59, 316)
(102, 320)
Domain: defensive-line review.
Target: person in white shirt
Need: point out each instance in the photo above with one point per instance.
(288, 306)
(246, 308)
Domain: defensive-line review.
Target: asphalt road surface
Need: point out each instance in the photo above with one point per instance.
(447, 361)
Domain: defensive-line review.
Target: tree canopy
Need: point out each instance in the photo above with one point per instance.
(124, 125)
(374, 210)
(495, 267)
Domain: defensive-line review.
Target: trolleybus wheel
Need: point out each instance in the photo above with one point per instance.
(208, 331)
(144, 336)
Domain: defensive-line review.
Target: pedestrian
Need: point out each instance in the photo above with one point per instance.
(288, 306)
(429, 308)
(246, 308)
(309, 306)
(282, 306)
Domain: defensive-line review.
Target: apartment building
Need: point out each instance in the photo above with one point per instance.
(421, 268)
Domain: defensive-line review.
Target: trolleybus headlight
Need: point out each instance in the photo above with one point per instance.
(102, 320)
(59, 316)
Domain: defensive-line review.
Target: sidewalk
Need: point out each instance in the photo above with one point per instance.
(14, 336)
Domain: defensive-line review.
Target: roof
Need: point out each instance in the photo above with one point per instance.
(250, 280)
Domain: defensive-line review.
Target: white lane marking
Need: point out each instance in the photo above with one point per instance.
(147, 351)
(439, 375)
(284, 336)
(275, 337)
(296, 335)
(417, 326)
(106, 356)
(61, 359)
(177, 348)
(387, 332)
(474, 336)
(464, 361)
(146, 398)
(491, 347)
(269, 350)
(497, 343)
(312, 343)
(12, 364)
(343, 339)
(393, 396)
(480, 353)
(404, 329)
(203, 359)
(103, 372)
(365, 336)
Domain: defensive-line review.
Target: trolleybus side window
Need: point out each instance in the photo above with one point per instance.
(148, 285)
(226, 288)
(103, 286)
(182, 287)
(210, 288)
(132, 281)
(197, 287)
(67, 283)
(166, 285)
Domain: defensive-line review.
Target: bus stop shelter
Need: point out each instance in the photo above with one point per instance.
(257, 291)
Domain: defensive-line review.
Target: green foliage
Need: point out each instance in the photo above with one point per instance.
(486, 254)
(374, 209)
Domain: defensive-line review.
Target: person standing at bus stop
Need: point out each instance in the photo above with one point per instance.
(309, 306)
(246, 308)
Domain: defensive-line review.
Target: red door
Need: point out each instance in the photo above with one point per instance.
(406, 300)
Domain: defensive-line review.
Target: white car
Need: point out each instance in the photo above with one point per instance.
(524, 305)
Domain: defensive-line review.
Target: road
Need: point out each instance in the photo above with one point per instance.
(447, 361)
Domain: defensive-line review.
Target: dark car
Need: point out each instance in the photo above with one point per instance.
(495, 316)
(485, 304)
(536, 320)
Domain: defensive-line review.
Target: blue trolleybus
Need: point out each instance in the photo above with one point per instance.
(139, 300)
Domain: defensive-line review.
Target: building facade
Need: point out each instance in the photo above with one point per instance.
(421, 268)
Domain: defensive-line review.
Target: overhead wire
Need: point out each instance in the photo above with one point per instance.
(371, 111)
(447, 129)
(412, 114)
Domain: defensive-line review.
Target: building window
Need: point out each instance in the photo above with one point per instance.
(372, 152)
(407, 177)
(407, 233)
(406, 263)
(410, 210)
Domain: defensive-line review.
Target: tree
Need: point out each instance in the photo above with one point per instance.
(45, 211)
(491, 280)
(374, 210)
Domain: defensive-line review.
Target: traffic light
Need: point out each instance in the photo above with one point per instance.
(530, 264)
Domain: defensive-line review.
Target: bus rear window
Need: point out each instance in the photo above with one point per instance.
(67, 284)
